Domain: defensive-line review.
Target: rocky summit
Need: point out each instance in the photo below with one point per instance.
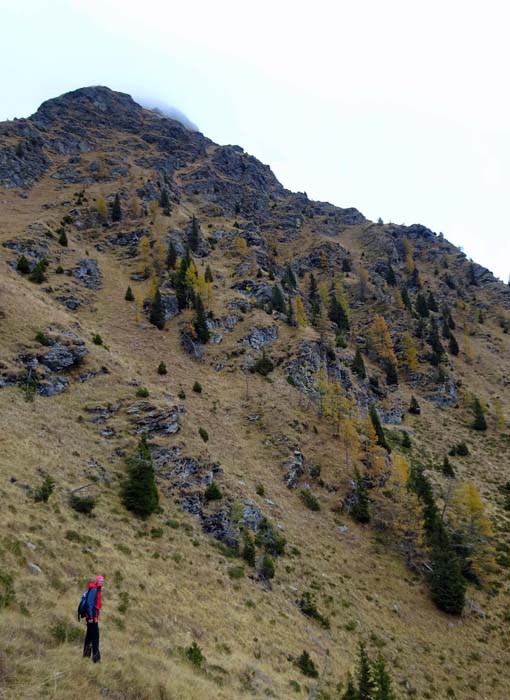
(278, 429)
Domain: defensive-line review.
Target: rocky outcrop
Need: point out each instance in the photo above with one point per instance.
(260, 337)
(87, 273)
(154, 421)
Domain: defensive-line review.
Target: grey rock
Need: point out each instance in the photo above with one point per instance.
(252, 516)
(52, 386)
(294, 469)
(220, 526)
(190, 345)
(159, 422)
(260, 336)
(34, 569)
(70, 302)
(62, 357)
(87, 272)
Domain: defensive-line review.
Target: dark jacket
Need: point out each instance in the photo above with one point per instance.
(93, 605)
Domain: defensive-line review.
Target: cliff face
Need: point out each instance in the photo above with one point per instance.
(251, 368)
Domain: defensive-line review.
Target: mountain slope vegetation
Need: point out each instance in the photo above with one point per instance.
(274, 426)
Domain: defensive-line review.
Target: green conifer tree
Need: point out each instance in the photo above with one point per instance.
(23, 265)
(358, 365)
(171, 256)
(366, 685)
(139, 491)
(37, 275)
(314, 300)
(129, 296)
(337, 314)
(157, 313)
(453, 345)
(422, 307)
(200, 322)
(447, 468)
(350, 692)
(381, 437)
(194, 234)
(390, 277)
(479, 422)
(164, 202)
(382, 680)
(277, 299)
(208, 276)
(360, 508)
(414, 407)
(62, 237)
(446, 583)
(116, 209)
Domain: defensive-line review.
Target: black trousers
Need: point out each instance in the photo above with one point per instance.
(91, 645)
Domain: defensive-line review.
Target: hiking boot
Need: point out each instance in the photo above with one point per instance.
(96, 658)
(87, 651)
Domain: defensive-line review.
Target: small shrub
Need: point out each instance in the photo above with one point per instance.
(263, 365)
(181, 395)
(73, 536)
(270, 539)
(213, 493)
(63, 632)
(41, 338)
(59, 270)
(124, 602)
(82, 504)
(414, 407)
(162, 368)
(97, 340)
(156, 533)
(236, 572)
(306, 665)
(23, 265)
(203, 434)
(129, 296)
(37, 275)
(315, 471)
(307, 606)
(142, 392)
(62, 237)
(45, 490)
(7, 594)
(197, 388)
(309, 500)
(194, 655)
(249, 551)
(267, 567)
(406, 440)
(259, 490)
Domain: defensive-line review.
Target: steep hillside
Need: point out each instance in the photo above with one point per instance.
(156, 286)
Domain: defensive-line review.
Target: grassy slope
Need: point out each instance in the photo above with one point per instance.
(179, 585)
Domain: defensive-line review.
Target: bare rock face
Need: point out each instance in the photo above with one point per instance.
(87, 272)
(260, 336)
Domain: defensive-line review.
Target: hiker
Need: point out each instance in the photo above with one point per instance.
(89, 608)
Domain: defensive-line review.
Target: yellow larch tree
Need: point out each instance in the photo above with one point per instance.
(144, 255)
(410, 354)
(102, 208)
(380, 340)
(408, 253)
(500, 415)
(350, 442)
(299, 309)
(241, 246)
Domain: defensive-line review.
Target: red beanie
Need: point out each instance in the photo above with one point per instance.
(99, 580)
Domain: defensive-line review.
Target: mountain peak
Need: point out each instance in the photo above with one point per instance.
(95, 104)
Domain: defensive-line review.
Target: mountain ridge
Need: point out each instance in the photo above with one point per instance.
(100, 195)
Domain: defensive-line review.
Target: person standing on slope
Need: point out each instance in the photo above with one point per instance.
(92, 606)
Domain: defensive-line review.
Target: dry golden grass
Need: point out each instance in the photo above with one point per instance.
(178, 584)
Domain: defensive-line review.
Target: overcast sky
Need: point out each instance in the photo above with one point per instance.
(397, 107)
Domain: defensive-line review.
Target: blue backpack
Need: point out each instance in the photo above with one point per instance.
(82, 607)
